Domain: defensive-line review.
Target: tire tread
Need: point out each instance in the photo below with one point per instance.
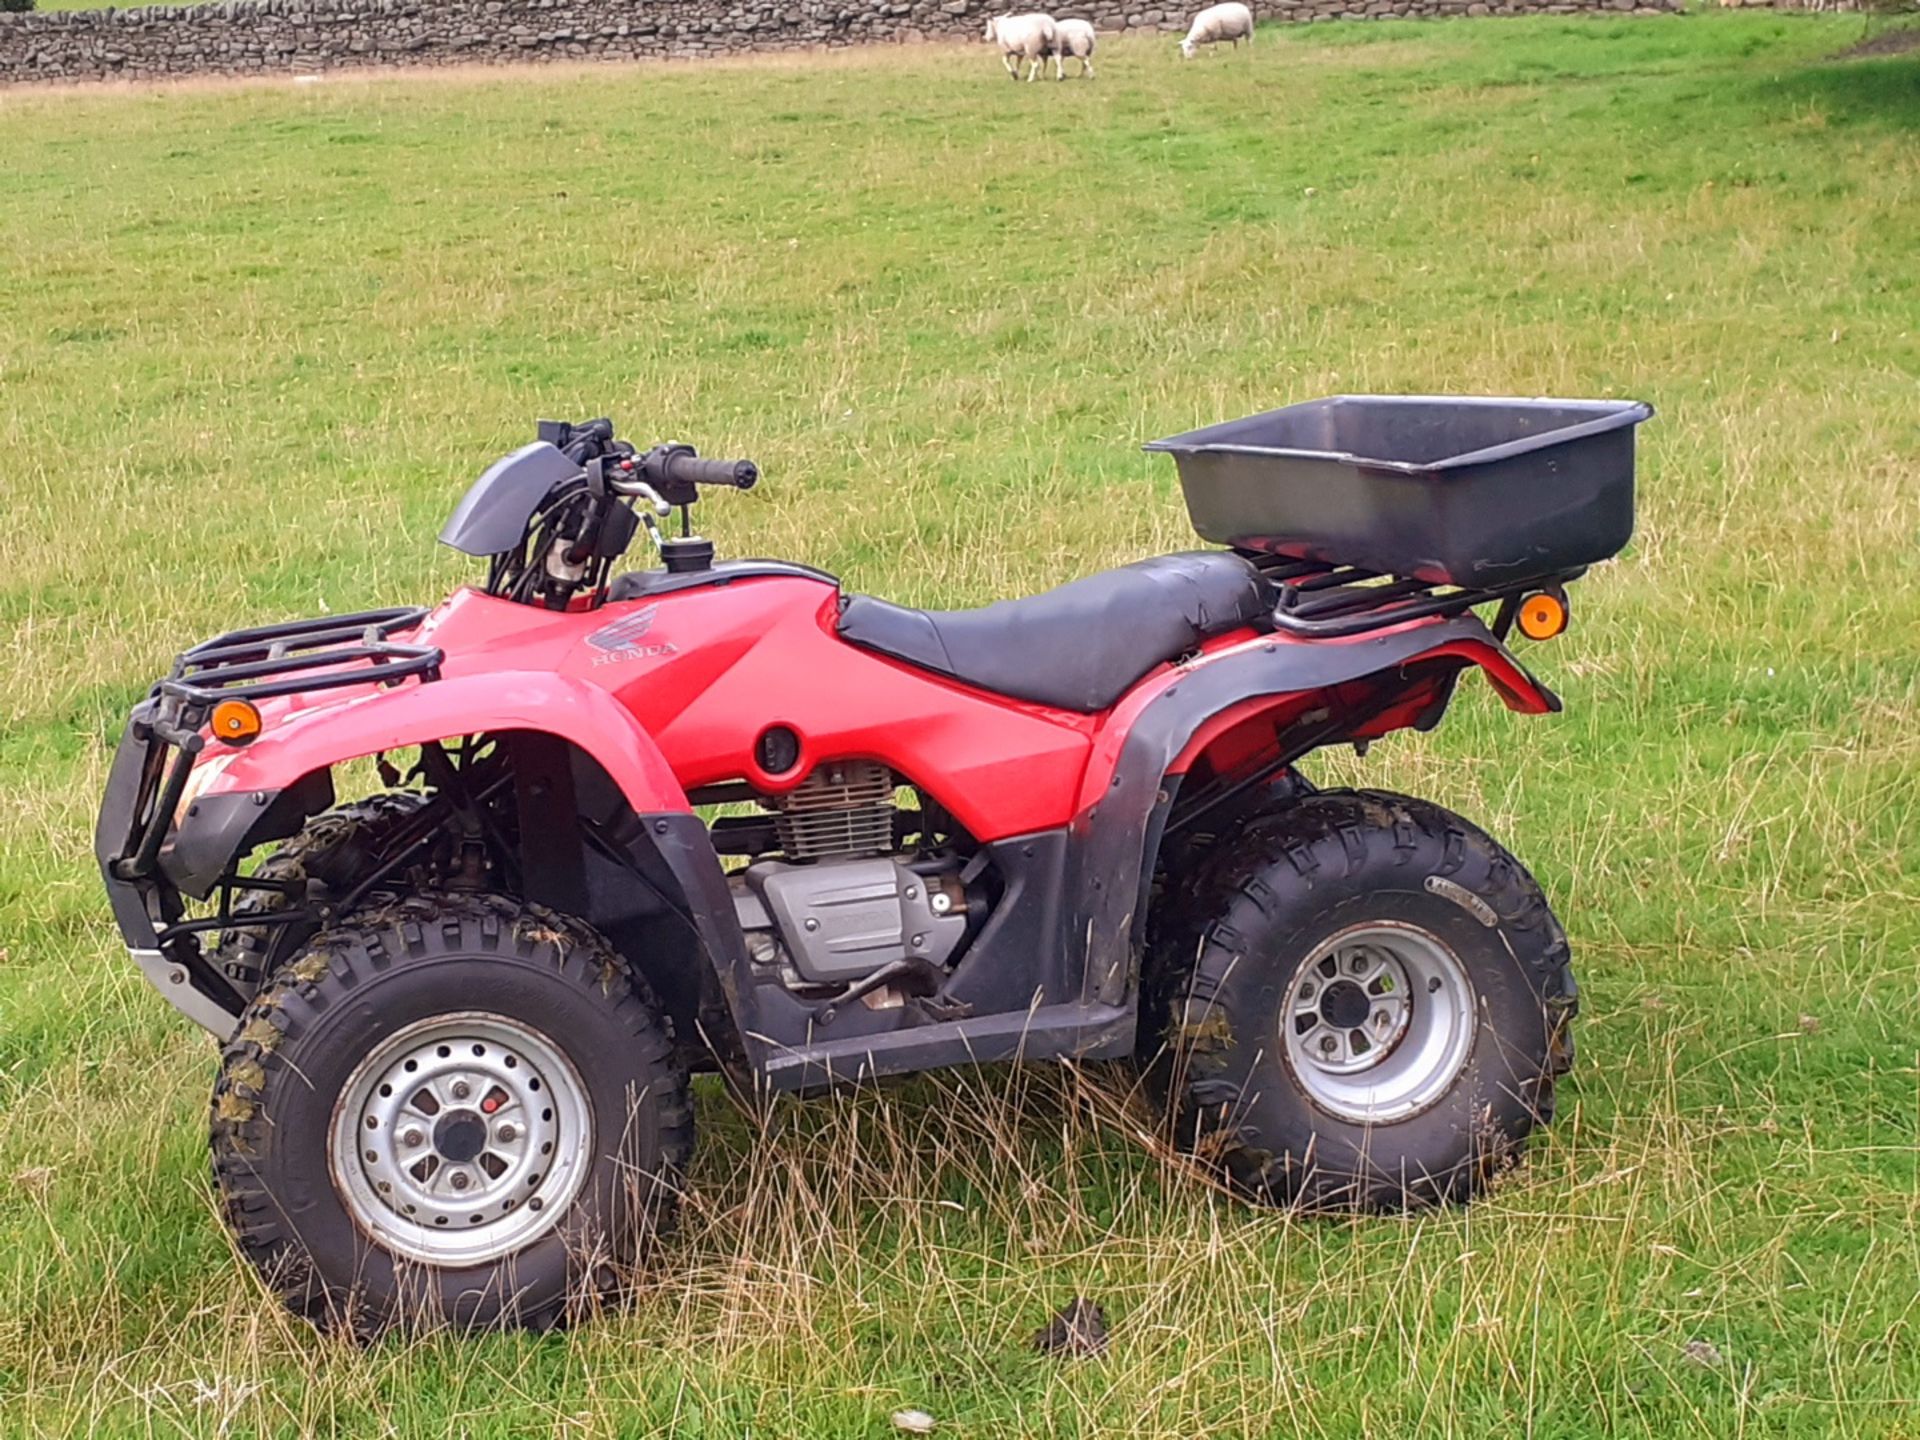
(321, 852)
(1236, 892)
(332, 966)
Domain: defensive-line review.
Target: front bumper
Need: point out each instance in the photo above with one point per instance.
(119, 835)
(151, 866)
(144, 786)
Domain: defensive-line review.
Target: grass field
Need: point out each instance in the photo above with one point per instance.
(253, 341)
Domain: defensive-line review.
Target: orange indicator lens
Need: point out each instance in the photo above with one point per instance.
(235, 721)
(1542, 616)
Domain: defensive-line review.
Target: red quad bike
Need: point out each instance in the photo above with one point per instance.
(723, 815)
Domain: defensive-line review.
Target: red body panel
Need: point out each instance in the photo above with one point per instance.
(763, 652)
(350, 724)
(671, 692)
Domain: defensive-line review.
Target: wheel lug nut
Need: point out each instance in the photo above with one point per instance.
(508, 1134)
(1328, 1044)
(459, 1180)
(461, 1089)
(412, 1137)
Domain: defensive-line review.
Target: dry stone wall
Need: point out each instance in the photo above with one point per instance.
(253, 37)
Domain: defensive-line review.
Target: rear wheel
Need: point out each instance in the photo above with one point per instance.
(454, 1110)
(1360, 1001)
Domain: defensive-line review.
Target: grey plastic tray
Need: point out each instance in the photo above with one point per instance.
(1475, 492)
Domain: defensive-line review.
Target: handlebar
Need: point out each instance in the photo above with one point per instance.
(676, 471)
(685, 468)
(587, 517)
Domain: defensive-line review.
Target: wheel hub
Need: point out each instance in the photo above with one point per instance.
(1378, 1022)
(1344, 1005)
(460, 1136)
(461, 1139)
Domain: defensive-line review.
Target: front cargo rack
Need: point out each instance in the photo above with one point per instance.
(274, 660)
(293, 658)
(1327, 600)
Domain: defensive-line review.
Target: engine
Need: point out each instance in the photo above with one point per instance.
(838, 810)
(844, 907)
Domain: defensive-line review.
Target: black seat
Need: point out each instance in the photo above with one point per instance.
(1078, 647)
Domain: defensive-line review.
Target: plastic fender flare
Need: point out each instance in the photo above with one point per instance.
(1124, 799)
(1517, 689)
(417, 714)
(311, 741)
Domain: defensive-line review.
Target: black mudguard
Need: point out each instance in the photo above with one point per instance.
(1117, 840)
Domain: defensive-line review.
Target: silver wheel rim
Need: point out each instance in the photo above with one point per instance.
(1378, 1022)
(461, 1139)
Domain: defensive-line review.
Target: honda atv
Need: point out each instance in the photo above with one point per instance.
(722, 815)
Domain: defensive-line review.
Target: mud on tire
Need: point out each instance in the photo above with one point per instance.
(469, 969)
(1346, 880)
(330, 855)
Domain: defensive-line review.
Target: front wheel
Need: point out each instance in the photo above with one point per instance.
(1364, 1002)
(328, 859)
(455, 1110)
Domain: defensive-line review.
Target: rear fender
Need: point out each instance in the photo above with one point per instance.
(1229, 708)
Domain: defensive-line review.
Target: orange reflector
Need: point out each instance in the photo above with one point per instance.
(235, 721)
(1542, 616)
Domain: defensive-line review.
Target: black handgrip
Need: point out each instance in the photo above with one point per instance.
(691, 470)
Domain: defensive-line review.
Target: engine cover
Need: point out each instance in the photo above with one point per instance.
(842, 920)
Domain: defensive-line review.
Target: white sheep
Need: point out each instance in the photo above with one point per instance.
(1216, 23)
(1022, 37)
(1075, 38)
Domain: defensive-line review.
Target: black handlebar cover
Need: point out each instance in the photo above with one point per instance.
(690, 470)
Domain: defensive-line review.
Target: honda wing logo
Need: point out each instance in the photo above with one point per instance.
(621, 639)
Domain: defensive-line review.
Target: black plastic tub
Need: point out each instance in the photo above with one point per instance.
(1473, 492)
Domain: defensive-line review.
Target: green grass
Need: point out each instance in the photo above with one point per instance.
(254, 340)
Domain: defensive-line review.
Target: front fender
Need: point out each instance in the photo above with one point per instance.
(265, 789)
(584, 715)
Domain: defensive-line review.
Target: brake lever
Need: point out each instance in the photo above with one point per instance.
(641, 490)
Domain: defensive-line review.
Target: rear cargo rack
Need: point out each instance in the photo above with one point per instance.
(1475, 491)
(273, 660)
(1327, 600)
